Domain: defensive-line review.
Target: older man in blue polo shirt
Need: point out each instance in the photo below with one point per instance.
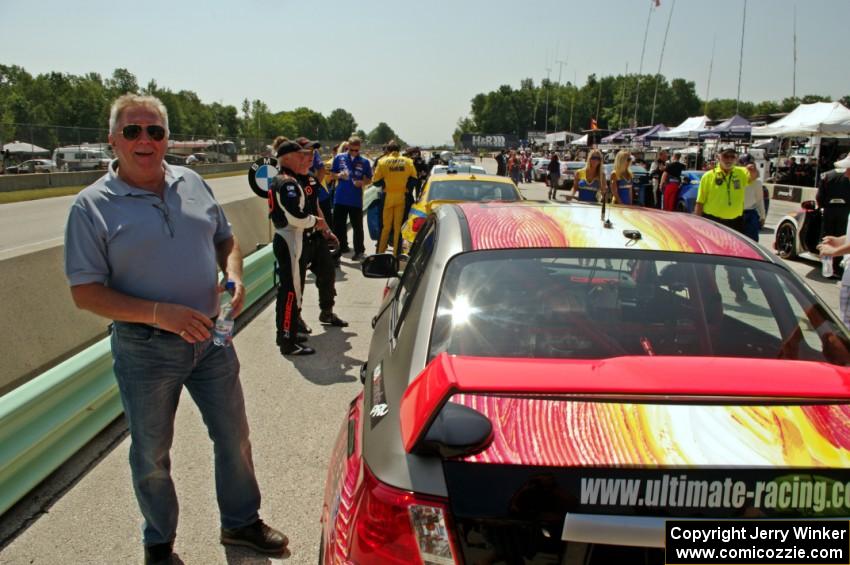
(352, 173)
(142, 248)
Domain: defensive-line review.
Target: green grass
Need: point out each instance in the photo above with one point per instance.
(39, 193)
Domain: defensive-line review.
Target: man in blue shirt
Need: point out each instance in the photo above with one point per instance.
(352, 173)
(142, 248)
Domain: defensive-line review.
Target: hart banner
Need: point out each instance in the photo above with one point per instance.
(489, 141)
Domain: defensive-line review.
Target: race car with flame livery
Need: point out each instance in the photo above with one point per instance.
(547, 383)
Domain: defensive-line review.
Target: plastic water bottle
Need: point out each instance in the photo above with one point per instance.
(223, 331)
(826, 266)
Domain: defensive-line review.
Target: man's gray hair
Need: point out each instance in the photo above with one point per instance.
(131, 100)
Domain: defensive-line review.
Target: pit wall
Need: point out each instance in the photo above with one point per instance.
(10, 183)
(46, 328)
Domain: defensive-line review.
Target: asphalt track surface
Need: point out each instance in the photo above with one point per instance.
(87, 513)
(37, 224)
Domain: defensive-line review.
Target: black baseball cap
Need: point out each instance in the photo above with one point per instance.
(307, 144)
(289, 146)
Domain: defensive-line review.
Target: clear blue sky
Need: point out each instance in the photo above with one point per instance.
(416, 66)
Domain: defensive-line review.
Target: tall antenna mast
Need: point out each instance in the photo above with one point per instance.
(741, 59)
(546, 119)
(661, 58)
(640, 67)
(710, 66)
(623, 97)
(558, 91)
(598, 102)
(794, 83)
(573, 104)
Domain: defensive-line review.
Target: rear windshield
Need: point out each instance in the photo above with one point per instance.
(593, 304)
(472, 190)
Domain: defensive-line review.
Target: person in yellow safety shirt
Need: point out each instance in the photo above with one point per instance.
(395, 171)
(721, 198)
(722, 189)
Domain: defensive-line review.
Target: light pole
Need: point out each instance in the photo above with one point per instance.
(218, 149)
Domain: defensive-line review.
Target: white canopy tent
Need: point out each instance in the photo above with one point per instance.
(687, 129)
(821, 119)
(580, 141)
(25, 148)
(826, 119)
(560, 137)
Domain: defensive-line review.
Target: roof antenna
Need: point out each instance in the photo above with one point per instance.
(606, 220)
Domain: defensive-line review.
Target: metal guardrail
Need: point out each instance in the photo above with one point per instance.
(11, 183)
(48, 419)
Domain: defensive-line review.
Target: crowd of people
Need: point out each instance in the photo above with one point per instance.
(144, 245)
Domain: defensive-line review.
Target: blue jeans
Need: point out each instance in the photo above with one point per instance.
(752, 224)
(152, 366)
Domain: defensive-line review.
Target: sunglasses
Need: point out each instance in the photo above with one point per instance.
(353, 150)
(132, 132)
(594, 158)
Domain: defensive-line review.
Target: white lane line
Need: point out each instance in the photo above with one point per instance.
(31, 244)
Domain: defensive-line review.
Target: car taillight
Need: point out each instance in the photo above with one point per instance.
(399, 527)
(417, 223)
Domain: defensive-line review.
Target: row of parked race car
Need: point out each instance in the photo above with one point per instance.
(540, 376)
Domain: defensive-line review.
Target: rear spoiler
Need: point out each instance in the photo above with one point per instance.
(429, 206)
(431, 424)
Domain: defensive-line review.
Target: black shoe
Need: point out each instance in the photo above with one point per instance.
(331, 319)
(282, 340)
(303, 327)
(159, 554)
(257, 536)
(345, 249)
(358, 257)
(297, 349)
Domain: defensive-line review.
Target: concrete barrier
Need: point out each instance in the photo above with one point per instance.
(9, 183)
(44, 325)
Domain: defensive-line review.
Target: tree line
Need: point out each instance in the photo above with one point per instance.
(610, 100)
(53, 109)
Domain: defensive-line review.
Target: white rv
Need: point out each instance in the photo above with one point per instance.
(82, 157)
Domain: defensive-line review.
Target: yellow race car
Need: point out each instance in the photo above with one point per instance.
(455, 187)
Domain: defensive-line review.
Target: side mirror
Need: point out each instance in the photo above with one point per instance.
(380, 266)
(809, 205)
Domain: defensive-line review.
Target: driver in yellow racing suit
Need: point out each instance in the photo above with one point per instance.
(396, 173)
